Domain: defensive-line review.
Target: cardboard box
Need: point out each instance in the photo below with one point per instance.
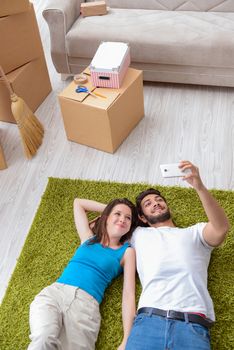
(20, 40)
(11, 7)
(94, 8)
(103, 123)
(3, 164)
(30, 82)
(109, 64)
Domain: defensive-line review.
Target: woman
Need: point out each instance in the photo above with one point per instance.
(65, 315)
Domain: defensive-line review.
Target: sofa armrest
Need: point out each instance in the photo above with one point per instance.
(60, 16)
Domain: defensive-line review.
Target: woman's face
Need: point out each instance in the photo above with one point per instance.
(119, 221)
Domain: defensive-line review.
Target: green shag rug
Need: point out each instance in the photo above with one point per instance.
(52, 241)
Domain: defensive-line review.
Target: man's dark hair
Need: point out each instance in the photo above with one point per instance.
(142, 195)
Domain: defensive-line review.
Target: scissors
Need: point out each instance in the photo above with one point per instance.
(81, 88)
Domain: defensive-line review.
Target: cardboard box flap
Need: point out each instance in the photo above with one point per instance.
(84, 97)
(70, 92)
(100, 102)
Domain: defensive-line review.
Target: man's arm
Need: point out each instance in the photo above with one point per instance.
(128, 297)
(216, 229)
(81, 220)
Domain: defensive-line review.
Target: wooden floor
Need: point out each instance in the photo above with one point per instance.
(181, 122)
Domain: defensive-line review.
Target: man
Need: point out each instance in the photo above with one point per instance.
(175, 310)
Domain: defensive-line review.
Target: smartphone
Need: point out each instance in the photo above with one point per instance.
(172, 170)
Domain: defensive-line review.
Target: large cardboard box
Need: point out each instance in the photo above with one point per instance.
(30, 82)
(3, 164)
(103, 123)
(10, 7)
(20, 40)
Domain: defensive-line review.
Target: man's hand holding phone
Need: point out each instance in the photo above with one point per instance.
(185, 169)
(173, 170)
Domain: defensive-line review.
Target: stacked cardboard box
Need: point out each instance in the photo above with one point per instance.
(3, 164)
(21, 57)
(12, 7)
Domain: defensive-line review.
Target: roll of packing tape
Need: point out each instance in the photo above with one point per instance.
(80, 79)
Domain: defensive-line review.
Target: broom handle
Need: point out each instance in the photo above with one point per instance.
(6, 81)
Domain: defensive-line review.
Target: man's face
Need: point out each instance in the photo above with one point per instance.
(155, 209)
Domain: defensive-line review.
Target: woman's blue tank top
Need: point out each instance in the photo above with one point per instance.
(93, 267)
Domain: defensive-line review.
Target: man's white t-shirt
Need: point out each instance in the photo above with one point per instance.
(172, 265)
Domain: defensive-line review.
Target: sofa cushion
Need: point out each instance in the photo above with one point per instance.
(164, 37)
(172, 5)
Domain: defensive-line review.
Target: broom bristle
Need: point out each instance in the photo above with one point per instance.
(31, 130)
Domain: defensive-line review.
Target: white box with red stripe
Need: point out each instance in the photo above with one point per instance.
(109, 64)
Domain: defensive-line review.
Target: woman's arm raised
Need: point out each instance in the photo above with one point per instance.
(81, 206)
(128, 297)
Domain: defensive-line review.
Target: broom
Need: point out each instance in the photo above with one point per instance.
(31, 130)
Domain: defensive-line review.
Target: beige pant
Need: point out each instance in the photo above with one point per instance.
(64, 317)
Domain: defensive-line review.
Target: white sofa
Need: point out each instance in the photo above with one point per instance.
(170, 40)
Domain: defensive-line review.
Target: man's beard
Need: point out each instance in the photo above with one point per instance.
(157, 219)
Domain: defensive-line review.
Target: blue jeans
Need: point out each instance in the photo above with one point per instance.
(159, 333)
